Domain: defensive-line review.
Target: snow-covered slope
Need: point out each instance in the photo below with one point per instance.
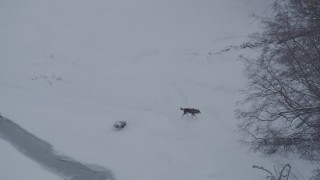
(70, 69)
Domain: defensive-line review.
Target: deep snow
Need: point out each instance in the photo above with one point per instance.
(70, 69)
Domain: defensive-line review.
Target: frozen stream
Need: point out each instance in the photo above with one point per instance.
(43, 153)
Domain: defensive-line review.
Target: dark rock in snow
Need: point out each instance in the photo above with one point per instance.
(120, 124)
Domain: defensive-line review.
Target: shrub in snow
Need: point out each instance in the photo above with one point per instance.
(120, 124)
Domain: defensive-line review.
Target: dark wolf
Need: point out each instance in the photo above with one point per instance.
(191, 111)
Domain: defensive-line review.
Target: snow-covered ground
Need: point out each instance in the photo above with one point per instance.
(70, 69)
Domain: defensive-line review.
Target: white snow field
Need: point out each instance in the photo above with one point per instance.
(70, 69)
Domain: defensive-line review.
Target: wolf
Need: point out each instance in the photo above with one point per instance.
(191, 111)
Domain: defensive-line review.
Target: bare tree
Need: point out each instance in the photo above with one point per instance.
(278, 174)
(281, 112)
